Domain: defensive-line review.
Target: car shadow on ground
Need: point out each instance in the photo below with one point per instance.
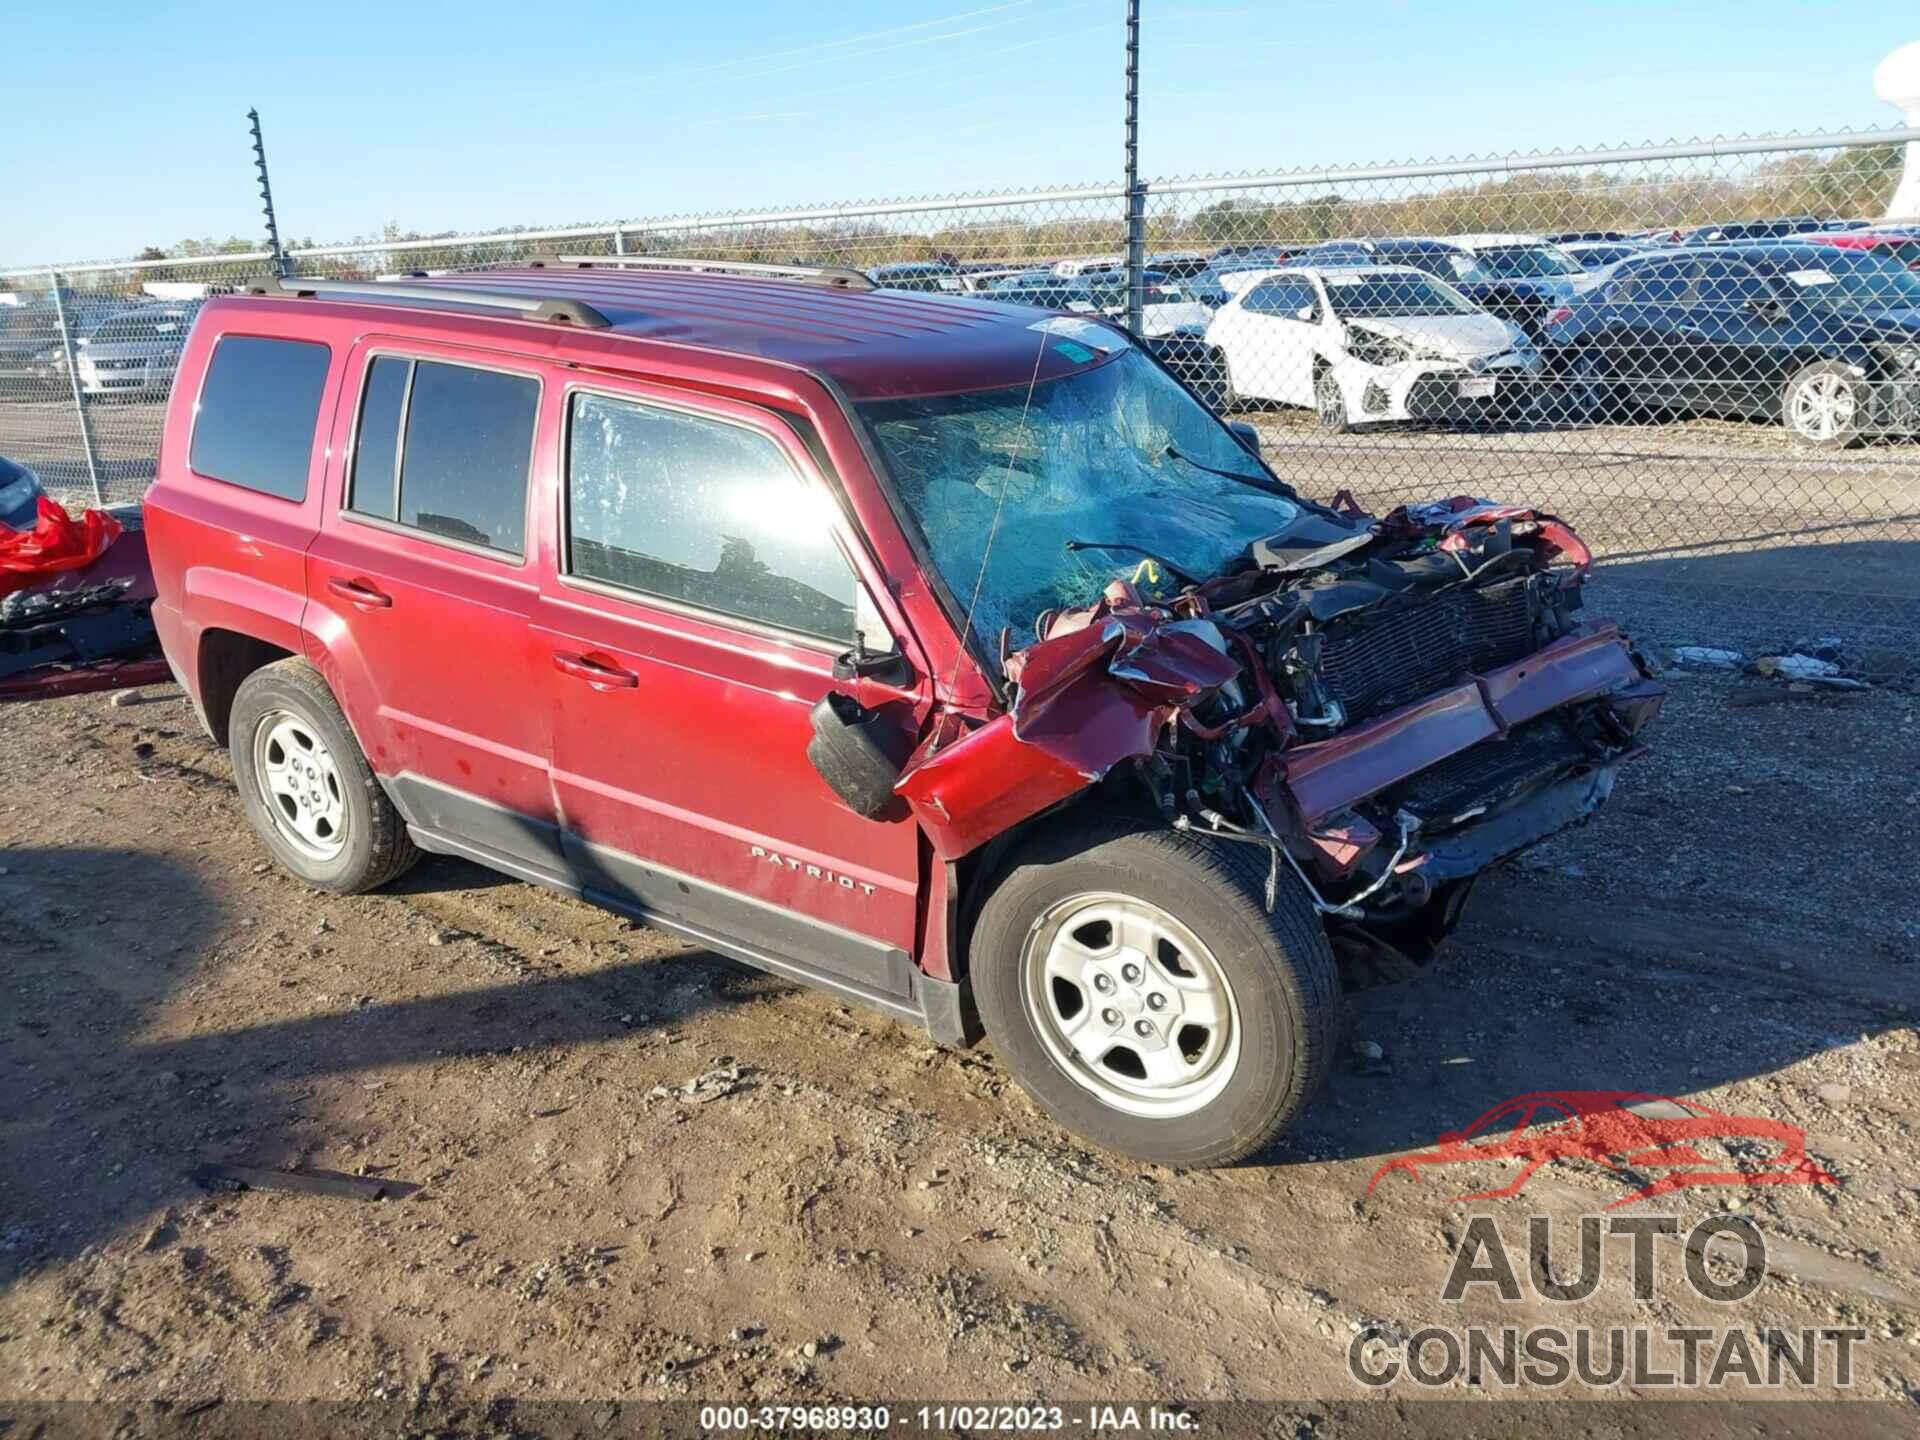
(111, 1109)
(1496, 1018)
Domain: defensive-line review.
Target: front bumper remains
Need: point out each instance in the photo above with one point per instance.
(1501, 387)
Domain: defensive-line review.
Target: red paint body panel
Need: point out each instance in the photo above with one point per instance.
(704, 760)
(1332, 774)
(45, 684)
(980, 786)
(702, 763)
(436, 682)
(1100, 689)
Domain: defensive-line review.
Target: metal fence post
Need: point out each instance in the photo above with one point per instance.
(1136, 192)
(73, 384)
(619, 241)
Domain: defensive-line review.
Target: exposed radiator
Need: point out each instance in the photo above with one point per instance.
(1376, 664)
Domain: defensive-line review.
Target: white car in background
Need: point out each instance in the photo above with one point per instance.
(1368, 344)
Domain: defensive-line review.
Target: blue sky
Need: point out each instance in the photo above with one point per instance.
(128, 122)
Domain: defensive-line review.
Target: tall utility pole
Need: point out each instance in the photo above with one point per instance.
(1136, 193)
(281, 267)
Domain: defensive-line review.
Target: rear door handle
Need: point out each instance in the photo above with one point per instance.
(595, 674)
(360, 593)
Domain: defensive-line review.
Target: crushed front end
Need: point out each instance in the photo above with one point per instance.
(1386, 706)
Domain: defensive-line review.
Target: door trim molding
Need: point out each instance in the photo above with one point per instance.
(449, 821)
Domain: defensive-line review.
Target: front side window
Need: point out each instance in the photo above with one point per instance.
(705, 513)
(446, 449)
(258, 408)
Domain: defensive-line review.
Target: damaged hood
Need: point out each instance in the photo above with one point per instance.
(1106, 684)
(1457, 337)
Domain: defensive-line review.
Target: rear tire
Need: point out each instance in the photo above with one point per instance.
(306, 788)
(1100, 926)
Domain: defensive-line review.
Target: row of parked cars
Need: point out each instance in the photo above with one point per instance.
(121, 348)
(1811, 323)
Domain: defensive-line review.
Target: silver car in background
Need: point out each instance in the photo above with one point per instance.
(134, 353)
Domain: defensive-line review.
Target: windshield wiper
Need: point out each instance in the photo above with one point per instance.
(1160, 560)
(1264, 482)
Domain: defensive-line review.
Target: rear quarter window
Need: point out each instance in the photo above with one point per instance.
(259, 405)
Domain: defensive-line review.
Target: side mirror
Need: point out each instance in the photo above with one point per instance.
(1305, 312)
(1767, 308)
(889, 667)
(1248, 437)
(859, 753)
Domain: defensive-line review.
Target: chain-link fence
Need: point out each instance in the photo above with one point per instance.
(1706, 357)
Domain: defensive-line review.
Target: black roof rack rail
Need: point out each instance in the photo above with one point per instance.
(839, 277)
(533, 307)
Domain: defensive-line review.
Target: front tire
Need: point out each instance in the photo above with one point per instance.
(1824, 406)
(1330, 403)
(306, 788)
(1135, 983)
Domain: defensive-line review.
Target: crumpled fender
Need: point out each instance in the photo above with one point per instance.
(1098, 690)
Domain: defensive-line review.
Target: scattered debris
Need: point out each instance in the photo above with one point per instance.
(711, 1085)
(1370, 1058)
(214, 1175)
(1796, 667)
(1709, 657)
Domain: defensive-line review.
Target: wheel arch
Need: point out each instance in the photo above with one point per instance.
(224, 660)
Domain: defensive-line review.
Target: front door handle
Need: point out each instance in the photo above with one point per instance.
(605, 677)
(360, 593)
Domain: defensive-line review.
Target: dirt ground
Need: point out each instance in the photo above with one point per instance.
(649, 1173)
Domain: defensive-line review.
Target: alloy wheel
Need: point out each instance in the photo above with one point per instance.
(1329, 401)
(1822, 406)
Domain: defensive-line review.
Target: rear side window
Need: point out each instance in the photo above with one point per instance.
(258, 408)
(705, 513)
(446, 449)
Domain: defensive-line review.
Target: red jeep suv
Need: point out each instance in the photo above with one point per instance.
(946, 654)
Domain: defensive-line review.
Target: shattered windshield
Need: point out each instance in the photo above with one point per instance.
(1111, 453)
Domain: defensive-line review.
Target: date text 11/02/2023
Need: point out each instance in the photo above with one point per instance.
(1093, 1418)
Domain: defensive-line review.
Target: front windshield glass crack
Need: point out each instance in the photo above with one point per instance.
(1092, 461)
